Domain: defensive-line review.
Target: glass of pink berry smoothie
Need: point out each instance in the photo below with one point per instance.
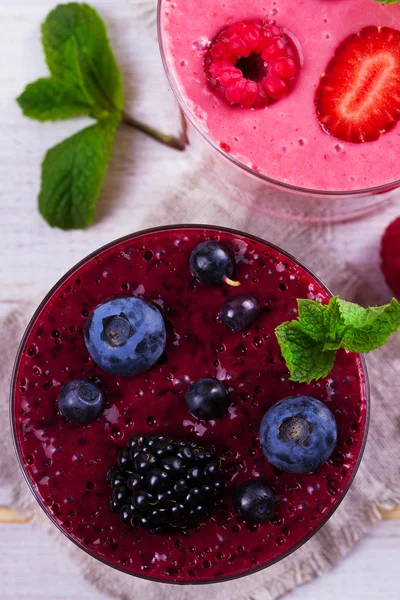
(154, 415)
(277, 89)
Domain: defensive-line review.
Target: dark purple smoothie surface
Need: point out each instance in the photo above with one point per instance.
(66, 464)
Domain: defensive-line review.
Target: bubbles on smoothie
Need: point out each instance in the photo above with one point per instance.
(201, 44)
(151, 421)
(302, 142)
(184, 63)
(352, 179)
(32, 351)
(338, 148)
(280, 267)
(116, 433)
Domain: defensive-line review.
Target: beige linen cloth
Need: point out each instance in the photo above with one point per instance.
(196, 199)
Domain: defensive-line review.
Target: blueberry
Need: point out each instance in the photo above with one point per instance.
(211, 262)
(125, 335)
(298, 434)
(254, 501)
(239, 312)
(81, 401)
(207, 399)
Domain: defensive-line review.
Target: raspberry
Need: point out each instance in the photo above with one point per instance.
(251, 64)
(161, 484)
(390, 256)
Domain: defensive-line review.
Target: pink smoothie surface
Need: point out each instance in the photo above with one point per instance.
(283, 141)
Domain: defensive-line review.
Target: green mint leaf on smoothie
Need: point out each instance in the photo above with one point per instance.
(73, 174)
(368, 328)
(305, 357)
(309, 343)
(85, 81)
(321, 322)
(388, 1)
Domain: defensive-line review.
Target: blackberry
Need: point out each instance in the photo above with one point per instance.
(162, 484)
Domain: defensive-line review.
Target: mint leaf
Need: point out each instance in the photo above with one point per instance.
(309, 344)
(72, 176)
(305, 358)
(368, 328)
(86, 80)
(322, 322)
(312, 317)
(77, 49)
(388, 1)
(50, 99)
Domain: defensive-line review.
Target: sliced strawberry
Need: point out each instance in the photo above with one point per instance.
(358, 97)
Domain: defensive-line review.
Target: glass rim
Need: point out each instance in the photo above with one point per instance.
(332, 194)
(13, 423)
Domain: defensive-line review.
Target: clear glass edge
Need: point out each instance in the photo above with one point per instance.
(387, 187)
(30, 484)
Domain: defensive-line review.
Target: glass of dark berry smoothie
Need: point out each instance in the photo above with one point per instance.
(283, 96)
(137, 398)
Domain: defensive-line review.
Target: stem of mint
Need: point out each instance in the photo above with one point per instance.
(178, 143)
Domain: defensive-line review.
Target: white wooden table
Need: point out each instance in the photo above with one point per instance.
(33, 257)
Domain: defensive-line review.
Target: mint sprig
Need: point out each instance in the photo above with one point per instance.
(309, 343)
(85, 81)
